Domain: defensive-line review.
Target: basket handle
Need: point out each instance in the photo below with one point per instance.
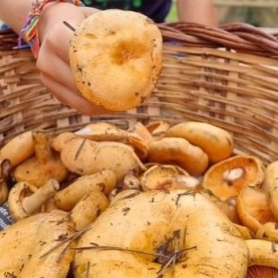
(241, 37)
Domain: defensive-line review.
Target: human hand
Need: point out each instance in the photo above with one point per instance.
(53, 58)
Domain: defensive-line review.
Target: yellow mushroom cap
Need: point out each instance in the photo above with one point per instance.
(116, 58)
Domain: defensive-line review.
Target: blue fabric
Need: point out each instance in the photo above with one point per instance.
(4, 26)
(155, 9)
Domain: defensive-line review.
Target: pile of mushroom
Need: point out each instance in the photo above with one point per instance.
(155, 200)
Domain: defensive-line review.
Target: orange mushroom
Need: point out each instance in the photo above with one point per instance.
(216, 142)
(259, 271)
(227, 178)
(41, 167)
(253, 208)
(18, 149)
(26, 199)
(268, 231)
(180, 152)
(104, 181)
(85, 157)
(158, 129)
(101, 131)
(270, 186)
(166, 177)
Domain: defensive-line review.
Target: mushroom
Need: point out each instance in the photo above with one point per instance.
(6, 180)
(104, 181)
(18, 148)
(180, 152)
(85, 157)
(253, 208)
(163, 177)
(259, 271)
(268, 231)
(270, 186)
(38, 246)
(175, 232)
(227, 178)
(26, 199)
(158, 129)
(244, 231)
(60, 140)
(88, 208)
(262, 252)
(122, 194)
(216, 142)
(142, 131)
(124, 75)
(228, 206)
(152, 131)
(101, 131)
(41, 167)
(130, 181)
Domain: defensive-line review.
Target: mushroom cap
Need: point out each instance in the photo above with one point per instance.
(226, 178)
(253, 208)
(116, 58)
(163, 221)
(178, 151)
(162, 177)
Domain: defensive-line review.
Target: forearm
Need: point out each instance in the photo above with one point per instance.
(14, 13)
(199, 11)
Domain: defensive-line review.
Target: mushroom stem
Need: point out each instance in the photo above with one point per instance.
(88, 209)
(262, 252)
(25, 199)
(42, 147)
(33, 202)
(231, 175)
(268, 231)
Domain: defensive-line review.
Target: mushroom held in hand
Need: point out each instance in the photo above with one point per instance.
(116, 58)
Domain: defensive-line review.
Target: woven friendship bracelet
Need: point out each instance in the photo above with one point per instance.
(29, 32)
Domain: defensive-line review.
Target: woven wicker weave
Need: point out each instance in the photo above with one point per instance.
(226, 75)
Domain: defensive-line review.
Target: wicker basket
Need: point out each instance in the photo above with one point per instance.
(226, 75)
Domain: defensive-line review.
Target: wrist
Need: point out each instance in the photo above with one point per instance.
(30, 30)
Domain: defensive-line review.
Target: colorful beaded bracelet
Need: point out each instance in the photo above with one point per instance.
(30, 32)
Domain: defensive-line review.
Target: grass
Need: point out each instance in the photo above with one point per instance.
(172, 16)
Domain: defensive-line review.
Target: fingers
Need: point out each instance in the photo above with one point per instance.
(55, 68)
(71, 98)
(53, 57)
